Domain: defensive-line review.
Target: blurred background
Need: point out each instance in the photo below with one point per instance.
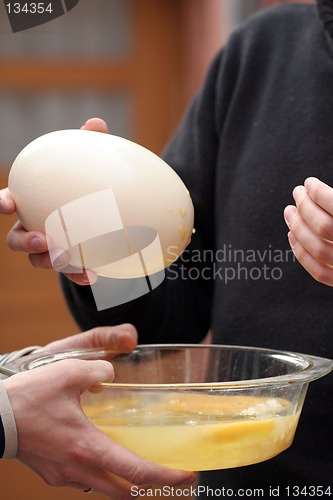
(136, 64)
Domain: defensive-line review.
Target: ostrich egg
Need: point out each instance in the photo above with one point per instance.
(114, 206)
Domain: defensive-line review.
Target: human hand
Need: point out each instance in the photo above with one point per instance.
(57, 440)
(34, 243)
(311, 228)
(119, 338)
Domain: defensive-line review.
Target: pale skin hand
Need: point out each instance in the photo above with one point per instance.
(56, 439)
(311, 228)
(34, 243)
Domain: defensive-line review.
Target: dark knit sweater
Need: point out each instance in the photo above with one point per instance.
(261, 124)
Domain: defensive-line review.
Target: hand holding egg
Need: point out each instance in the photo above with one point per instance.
(114, 206)
(34, 243)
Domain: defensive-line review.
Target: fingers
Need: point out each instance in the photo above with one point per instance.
(79, 375)
(20, 240)
(120, 463)
(318, 270)
(34, 243)
(81, 477)
(138, 471)
(96, 125)
(311, 228)
(82, 455)
(76, 472)
(7, 205)
(119, 338)
(320, 193)
(320, 249)
(106, 483)
(71, 376)
(313, 214)
(60, 261)
(134, 469)
(89, 277)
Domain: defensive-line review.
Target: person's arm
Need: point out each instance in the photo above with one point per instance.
(57, 440)
(311, 228)
(122, 337)
(8, 432)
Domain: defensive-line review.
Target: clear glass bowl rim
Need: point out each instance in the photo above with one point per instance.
(309, 367)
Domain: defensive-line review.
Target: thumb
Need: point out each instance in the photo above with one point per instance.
(80, 375)
(96, 125)
(119, 338)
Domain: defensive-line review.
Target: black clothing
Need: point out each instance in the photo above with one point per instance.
(261, 124)
(2, 438)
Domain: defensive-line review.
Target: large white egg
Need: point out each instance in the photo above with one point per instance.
(115, 206)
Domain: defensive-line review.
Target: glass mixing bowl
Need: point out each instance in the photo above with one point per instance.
(197, 407)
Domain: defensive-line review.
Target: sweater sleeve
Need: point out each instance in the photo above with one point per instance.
(179, 310)
(2, 438)
(8, 431)
(2, 430)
